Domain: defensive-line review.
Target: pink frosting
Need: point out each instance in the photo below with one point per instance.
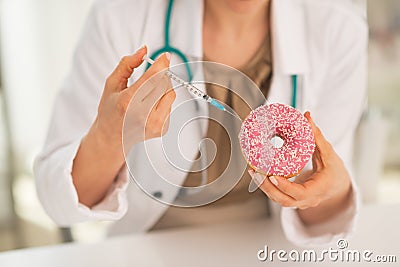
(281, 120)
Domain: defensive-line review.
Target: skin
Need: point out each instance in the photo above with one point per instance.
(100, 155)
(231, 27)
(320, 193)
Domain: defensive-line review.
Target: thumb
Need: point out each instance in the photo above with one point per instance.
(317, 162)
(161, 64)
(118, 80)
(323, 147)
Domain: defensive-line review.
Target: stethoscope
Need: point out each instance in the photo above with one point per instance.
(169, 48)
(173, 50)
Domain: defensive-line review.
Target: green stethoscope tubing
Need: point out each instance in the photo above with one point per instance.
(294, 90)
(168, 48)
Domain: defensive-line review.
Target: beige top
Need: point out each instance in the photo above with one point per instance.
(238, 204)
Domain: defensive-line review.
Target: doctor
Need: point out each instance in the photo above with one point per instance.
(81, 174)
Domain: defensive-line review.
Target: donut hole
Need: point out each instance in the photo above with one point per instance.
(277, 141)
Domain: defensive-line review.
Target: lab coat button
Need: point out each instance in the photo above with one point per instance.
(157, 194)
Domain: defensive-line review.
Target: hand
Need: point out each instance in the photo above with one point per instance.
(146, 104)
(318, 193)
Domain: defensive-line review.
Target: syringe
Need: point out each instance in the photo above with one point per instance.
(190, 87)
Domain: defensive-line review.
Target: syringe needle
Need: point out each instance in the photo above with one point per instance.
(194, 90)
(148, 60)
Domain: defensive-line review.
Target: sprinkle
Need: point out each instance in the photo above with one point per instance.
(262, 125)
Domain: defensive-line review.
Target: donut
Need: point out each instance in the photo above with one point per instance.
(261, 132)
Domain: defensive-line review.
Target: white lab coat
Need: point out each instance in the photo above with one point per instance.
(324, 42)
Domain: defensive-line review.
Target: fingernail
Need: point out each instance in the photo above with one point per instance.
(140, 49)
(251, 172)
(273, 180)
(168, 55)
(258, 178)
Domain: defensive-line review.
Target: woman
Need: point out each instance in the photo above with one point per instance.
(80, 172)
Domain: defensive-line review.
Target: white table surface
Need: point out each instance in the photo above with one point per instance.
(219, 245)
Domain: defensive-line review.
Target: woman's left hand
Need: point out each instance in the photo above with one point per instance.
(319, 193)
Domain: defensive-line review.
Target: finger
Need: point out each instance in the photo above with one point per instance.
(159, 65)
(157, 121)
(169, 93)
(300, 193)
(276, 195)
(164, 105)
(258, 178)
(322, 144)
(155, 90)
(118, 80)
(295, 190)
(317, 160)
(303, 176)
(164, 108)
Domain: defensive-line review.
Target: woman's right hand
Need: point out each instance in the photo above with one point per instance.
(146, 105)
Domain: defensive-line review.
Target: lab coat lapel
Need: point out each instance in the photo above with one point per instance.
(289, 37)
(187, 28)
(290, 52)
(186, 34)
